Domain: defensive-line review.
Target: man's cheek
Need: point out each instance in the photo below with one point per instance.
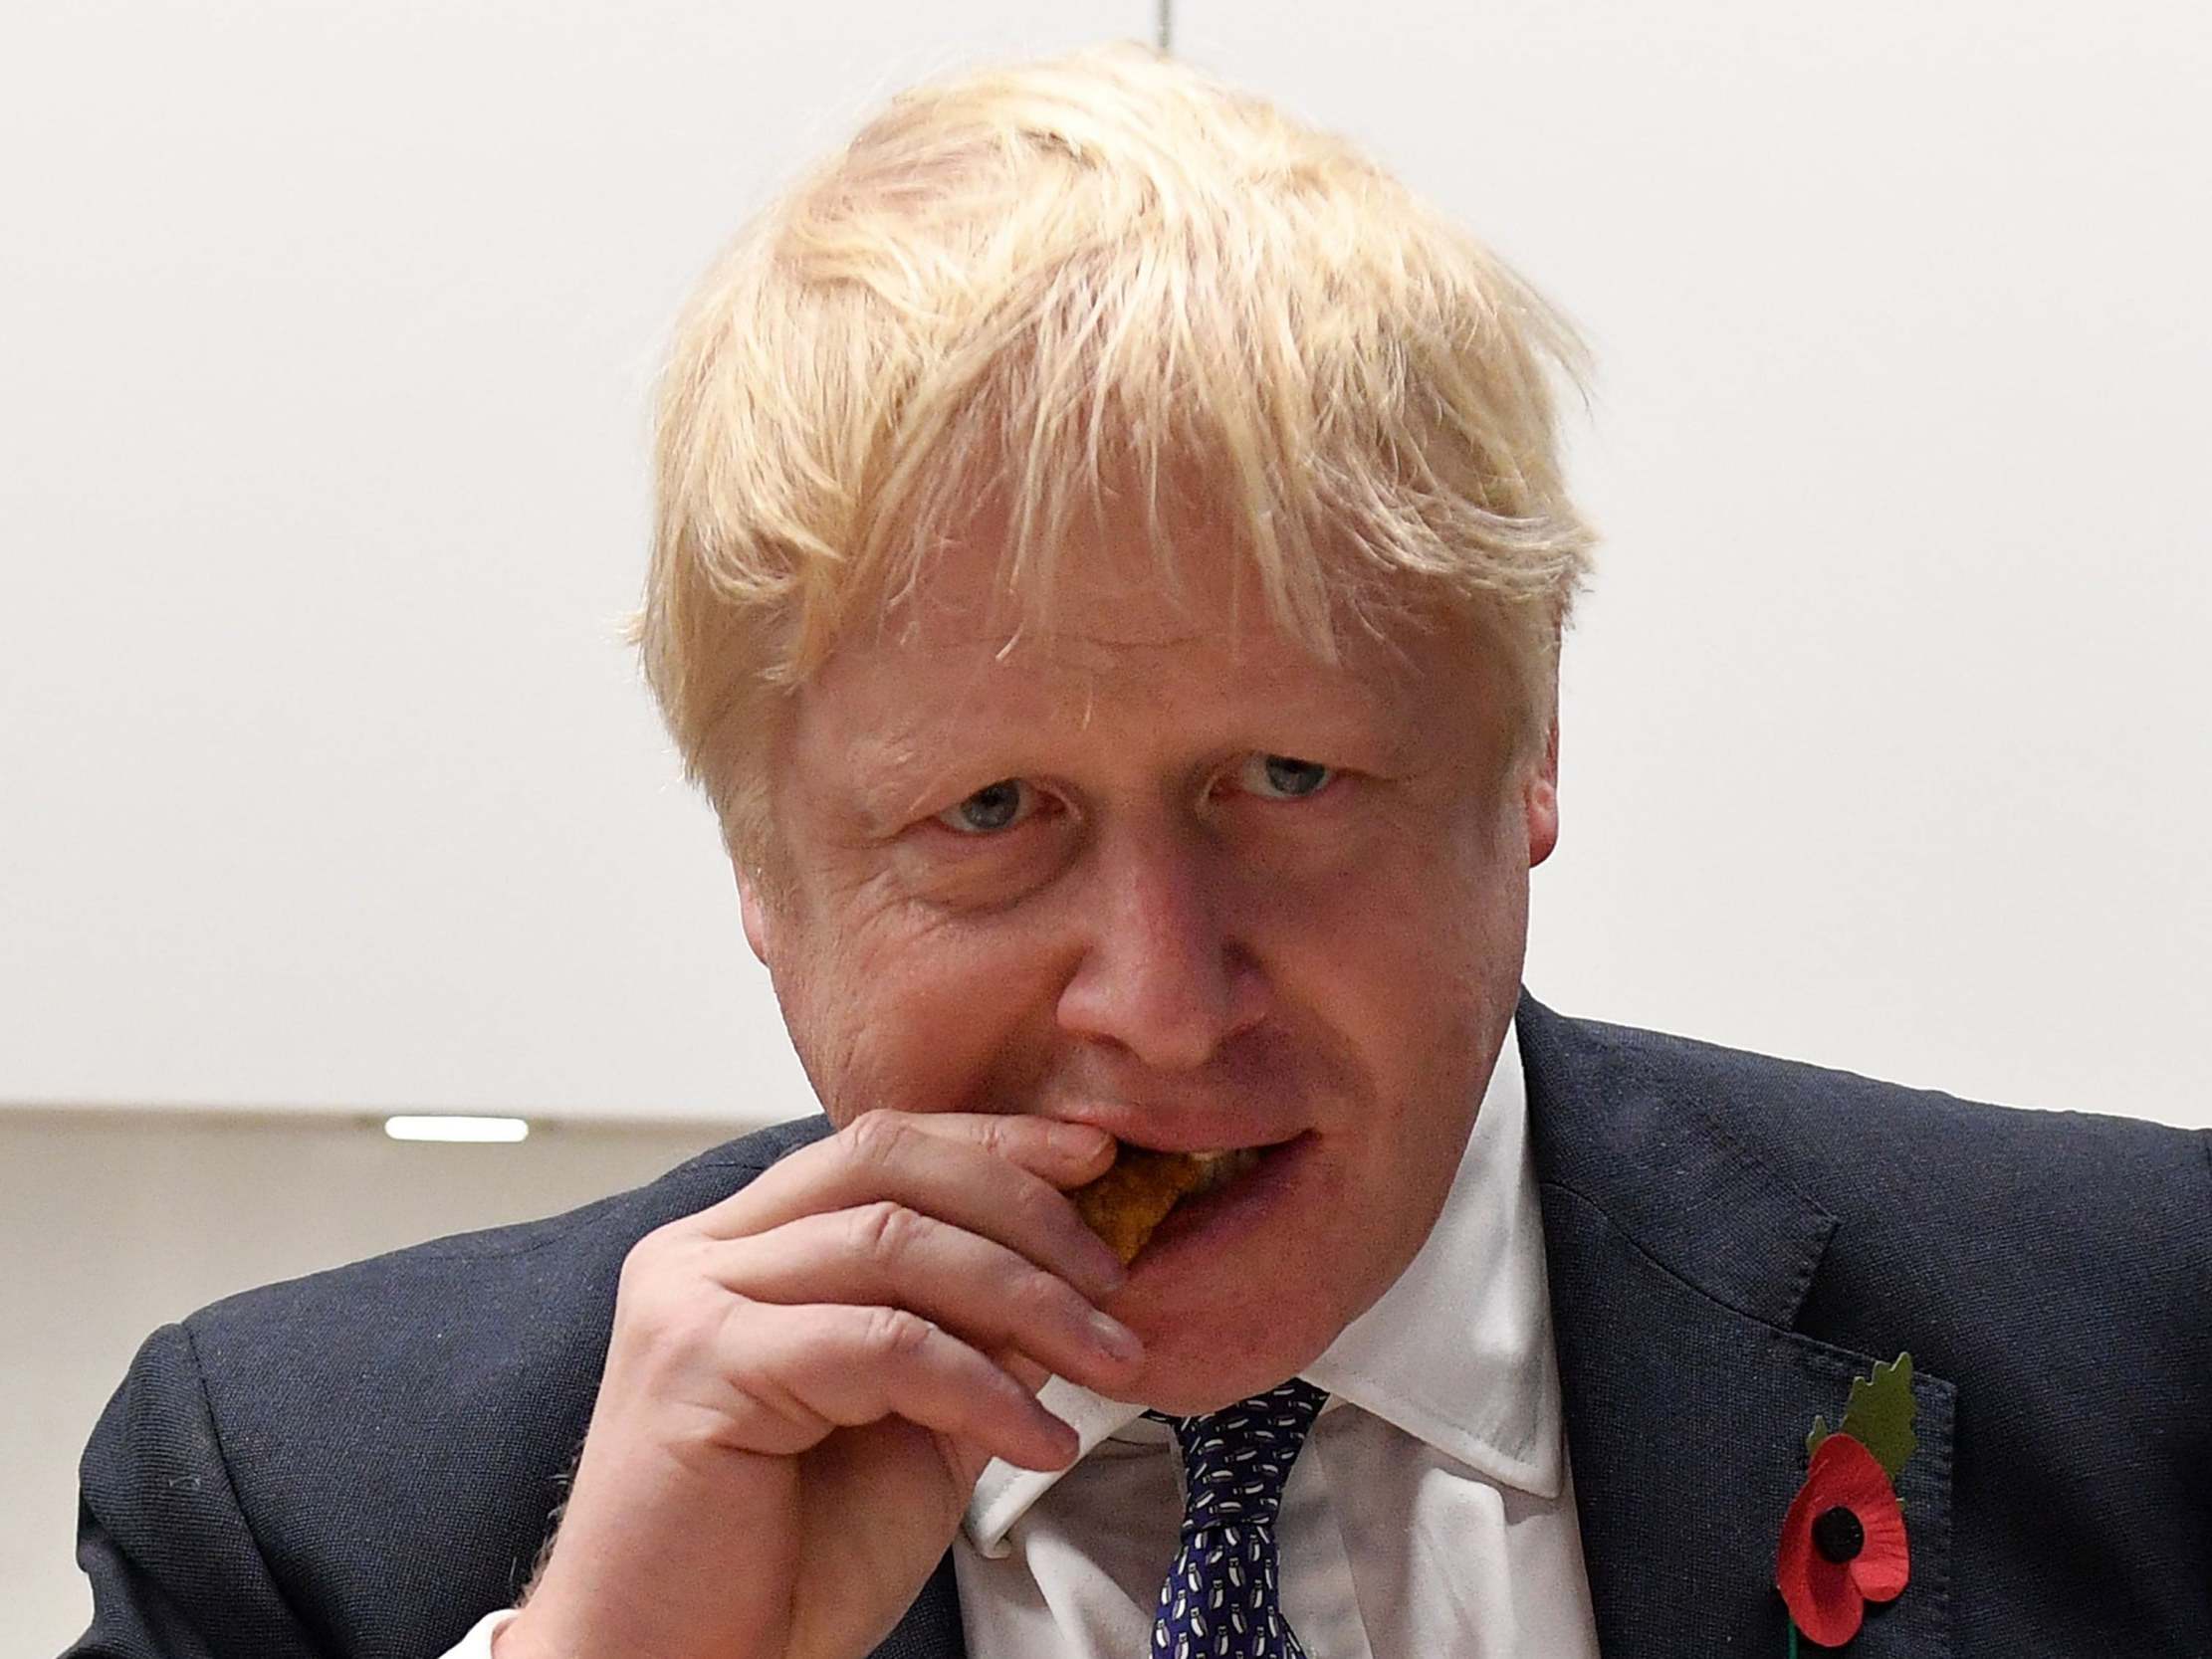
(939, 1043)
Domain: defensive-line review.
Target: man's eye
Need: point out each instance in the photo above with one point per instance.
(1284, 777)
(993, 807)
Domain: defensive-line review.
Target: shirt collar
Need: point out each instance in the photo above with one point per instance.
(1458, 1353)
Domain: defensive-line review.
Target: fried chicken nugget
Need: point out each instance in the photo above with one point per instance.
(1125, 1204)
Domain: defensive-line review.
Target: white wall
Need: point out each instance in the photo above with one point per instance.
(328, 784)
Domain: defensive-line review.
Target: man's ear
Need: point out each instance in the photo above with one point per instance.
(754, 908)
(1540, 799)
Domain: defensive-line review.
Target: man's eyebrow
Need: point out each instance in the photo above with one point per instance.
(889, 776)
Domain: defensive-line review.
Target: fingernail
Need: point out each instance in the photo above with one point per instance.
(1076, 1140)
(1115, 1338)
(1103, 1273)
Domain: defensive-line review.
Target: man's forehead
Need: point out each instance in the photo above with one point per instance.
(1128, 618)
(1091, 639)
(1119, 586)
(1150, 676)
(1113, 601)
(1134, 641)
(1065, 672)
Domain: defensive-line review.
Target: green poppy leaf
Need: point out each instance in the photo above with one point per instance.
(1880, 1415)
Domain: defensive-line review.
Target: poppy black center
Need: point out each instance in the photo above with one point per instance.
(1837, 1534)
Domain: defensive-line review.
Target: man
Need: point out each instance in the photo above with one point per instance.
(1110, 573)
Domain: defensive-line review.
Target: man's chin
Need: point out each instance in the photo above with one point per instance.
(1209, 1347)
(1242, 1288)
(1185, 1379)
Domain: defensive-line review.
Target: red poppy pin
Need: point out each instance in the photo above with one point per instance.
(1843, 1541)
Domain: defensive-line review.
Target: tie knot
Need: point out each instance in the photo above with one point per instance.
(1236, 1460)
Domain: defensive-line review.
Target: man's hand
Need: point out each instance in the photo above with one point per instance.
(806, 1380)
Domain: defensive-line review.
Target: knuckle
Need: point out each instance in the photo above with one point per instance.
(998, 1137)
(1035, 1294)
(659, 1294)
(885, 1230)
(894, 1333)
(874, 1137)
(645, 1262)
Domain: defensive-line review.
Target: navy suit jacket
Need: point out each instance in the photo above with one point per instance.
(364, 1462)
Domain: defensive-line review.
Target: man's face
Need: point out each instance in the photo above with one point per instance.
(1166, 873)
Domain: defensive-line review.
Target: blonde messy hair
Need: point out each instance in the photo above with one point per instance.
(1071, 289)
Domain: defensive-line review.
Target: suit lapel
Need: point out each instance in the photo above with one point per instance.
(1676, 1263)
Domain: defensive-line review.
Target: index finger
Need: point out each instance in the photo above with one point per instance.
(1066, 1155)
(1000, 1175)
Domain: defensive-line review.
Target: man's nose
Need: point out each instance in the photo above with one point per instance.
(1165, 971)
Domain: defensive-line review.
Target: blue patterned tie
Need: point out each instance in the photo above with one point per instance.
(1220, 1600)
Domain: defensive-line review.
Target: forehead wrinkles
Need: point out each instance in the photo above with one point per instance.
(1068, 675)
(922, 708)
(964, 655)
(1155, 565)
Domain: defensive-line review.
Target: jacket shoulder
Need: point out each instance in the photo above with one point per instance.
(2068, 1248)
(1831, 1132)
(514, 1288)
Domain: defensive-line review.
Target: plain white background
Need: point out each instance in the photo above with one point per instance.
(330, 786)
(326, 787)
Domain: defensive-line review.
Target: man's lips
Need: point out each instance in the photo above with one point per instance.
(1147, 1185)
(1169, 1130)
(1240, 1200)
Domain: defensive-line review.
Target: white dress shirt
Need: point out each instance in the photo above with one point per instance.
(1431, 1512)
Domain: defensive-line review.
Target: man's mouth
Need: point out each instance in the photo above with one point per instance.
(1218, 1170)
(1127, 1204)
